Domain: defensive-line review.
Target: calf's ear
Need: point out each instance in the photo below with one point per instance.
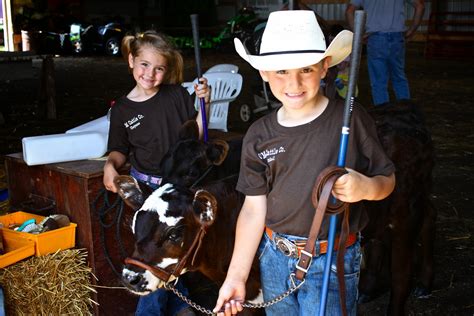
(217, 151)
(205, 207)
(129, 191)
(189, 130)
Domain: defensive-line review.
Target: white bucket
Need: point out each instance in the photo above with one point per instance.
(63, 147)
(98, 125)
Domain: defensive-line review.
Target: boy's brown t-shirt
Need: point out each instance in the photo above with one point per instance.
(284, 162)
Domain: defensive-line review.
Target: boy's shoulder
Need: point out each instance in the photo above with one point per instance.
(265, 121)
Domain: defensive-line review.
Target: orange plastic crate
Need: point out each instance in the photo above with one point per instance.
(16, 249)
(45, 243)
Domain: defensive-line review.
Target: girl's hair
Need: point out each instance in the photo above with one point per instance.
(132, 44)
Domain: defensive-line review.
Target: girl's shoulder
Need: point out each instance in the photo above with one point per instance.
(120, 102)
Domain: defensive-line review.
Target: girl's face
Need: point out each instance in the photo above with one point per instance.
(149, 68)
(297, 88)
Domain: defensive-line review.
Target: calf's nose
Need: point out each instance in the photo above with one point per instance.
(133, 280)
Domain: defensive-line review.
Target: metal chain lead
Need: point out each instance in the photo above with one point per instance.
(246, 305)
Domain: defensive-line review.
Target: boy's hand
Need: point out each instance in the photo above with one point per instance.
(203, 90)
(354, 186)
(350, 187)
(231, 295)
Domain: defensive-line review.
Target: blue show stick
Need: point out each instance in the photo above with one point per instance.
(359, 23)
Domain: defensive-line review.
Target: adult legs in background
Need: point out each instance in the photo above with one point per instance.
(397, 66)
(377, 61)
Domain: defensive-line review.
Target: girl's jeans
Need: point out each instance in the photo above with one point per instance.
(275, 276)
(386, 60)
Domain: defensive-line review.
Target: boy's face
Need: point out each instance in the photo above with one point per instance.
(297, 88)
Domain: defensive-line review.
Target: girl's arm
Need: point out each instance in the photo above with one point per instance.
(202, 91)
(250, 226)
(114, 162)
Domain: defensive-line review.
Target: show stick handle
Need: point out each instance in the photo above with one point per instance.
(359, 26)
(197, 50)
(197, 56)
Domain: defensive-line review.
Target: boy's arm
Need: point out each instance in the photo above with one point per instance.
(250, 226)
(113, 163)
(354, 187)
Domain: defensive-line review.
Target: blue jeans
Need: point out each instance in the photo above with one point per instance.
(162, 302)
(386, 60)
(275, 276)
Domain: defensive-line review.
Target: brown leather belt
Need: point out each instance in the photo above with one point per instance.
(292, 248)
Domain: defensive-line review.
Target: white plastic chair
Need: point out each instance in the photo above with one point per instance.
(225, 88)
(216, 68)
(223, 68)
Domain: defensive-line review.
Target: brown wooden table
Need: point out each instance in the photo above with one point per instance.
(72, 187)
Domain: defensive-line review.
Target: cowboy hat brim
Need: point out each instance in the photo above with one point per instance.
(339, 49)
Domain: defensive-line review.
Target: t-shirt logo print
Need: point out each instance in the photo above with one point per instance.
(134, 122)
(270, 154)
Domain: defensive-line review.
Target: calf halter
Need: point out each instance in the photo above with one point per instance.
(164, 275)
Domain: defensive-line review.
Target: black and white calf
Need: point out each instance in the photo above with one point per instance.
(166, 226)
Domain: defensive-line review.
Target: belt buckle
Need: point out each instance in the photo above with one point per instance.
(288, 248)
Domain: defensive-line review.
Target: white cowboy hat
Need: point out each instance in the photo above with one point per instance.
(293, 39)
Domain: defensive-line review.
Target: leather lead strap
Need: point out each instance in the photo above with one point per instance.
(320, 196)
(159, 273)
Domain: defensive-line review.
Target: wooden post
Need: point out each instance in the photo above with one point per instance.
(48, 88)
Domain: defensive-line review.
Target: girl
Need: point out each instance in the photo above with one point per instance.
(143, 125)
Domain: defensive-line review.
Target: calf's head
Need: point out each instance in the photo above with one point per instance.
(165, 226)
(188, 159)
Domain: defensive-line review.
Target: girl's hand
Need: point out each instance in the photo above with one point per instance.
(109, 175)
(203, 90)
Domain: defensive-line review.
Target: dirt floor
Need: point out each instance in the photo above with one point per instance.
(442, 88)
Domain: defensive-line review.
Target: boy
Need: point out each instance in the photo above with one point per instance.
(282, 155)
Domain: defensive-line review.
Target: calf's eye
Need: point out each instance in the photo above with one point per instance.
(174, 236)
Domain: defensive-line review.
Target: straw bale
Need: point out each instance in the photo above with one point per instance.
(55, 284)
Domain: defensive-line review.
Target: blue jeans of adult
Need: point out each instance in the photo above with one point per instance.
(161, 302)
(275, 276)
(386, 60)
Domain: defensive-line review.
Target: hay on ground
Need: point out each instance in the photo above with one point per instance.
(56, 284)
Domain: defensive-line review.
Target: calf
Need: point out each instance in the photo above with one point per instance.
(168, 221)
(167, 224)
(406, 218)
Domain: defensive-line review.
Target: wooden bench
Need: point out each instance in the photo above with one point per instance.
(450, 34)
